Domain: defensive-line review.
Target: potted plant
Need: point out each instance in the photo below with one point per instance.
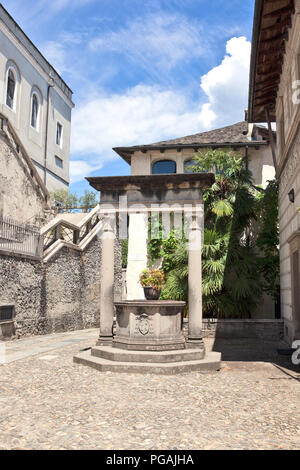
(152, 280)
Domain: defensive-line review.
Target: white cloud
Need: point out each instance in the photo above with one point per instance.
(55, 53)
(227, 84)
(163, 38)
(81, 168)
(145, 114)
(40, 11)
(142, 115)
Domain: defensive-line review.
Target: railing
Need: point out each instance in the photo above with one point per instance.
(27, 240)
(58, 209)
(60, 232)
(19, 238)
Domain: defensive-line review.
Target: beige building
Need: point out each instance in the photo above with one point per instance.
(174, 156)
(275, 97)
(36, 102)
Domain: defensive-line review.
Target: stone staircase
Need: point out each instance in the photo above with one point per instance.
(74, 231)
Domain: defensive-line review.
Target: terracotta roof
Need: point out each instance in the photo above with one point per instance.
(229, 136)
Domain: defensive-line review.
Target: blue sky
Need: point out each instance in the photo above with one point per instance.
(142, 70)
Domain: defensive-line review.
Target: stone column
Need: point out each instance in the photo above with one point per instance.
(107, 282)
(137, 254)
(195, 282)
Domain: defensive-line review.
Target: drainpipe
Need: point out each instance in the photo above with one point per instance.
(247, 168)
(271, 137)
(50, 85)
(247, 157)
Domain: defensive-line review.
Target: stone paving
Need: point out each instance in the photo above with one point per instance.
(47, 402)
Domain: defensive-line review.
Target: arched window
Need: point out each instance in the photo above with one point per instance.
(164, 167)
(11, 88)
(188, 167)
(35, 110)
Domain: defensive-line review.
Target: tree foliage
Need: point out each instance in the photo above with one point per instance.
(66, 200)
(238, 265)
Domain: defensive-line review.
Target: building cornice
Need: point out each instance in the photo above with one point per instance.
(126, 152)
(35, 57)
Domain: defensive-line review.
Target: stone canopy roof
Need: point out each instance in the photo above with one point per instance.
(229, 136)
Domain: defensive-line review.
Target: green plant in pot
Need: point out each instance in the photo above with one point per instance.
(152, 280)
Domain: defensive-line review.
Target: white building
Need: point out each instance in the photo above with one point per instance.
(37, 103)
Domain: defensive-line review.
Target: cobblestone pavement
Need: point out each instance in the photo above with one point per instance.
(47, 402)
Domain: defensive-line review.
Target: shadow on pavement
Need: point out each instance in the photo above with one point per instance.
(254, 350)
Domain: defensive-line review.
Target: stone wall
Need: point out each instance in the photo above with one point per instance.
(19, 198)
(32, 71)
(61, 295)
(289, 223)
(266, 330)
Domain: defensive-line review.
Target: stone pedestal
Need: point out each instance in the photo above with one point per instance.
(149, 340)
(149, 325)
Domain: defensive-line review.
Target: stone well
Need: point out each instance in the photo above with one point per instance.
(149, 325)
(149, 336)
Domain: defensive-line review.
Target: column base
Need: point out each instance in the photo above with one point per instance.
(195, 344)
(105, 341)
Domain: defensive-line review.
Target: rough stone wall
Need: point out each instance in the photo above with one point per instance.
(19, 198)
(61, 295)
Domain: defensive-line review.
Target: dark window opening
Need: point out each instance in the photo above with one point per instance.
(11, 87)
(34, 111)
(59, 130)
(59, 162)
(6, 313)
(164, 167)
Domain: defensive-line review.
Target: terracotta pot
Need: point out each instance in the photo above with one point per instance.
(151, 293)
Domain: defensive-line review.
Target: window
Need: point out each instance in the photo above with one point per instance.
(6, 313)
(11, 89)
(59, 132)
(59, 162)
(34, 111)
(187, 166)
(190, 163)
(164, 167)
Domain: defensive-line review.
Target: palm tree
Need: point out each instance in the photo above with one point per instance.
(231, 279)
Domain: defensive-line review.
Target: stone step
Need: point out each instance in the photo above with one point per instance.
(121, 355)
(211, 362)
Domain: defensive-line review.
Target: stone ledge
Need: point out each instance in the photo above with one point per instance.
(212, 362)
(113, 354)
